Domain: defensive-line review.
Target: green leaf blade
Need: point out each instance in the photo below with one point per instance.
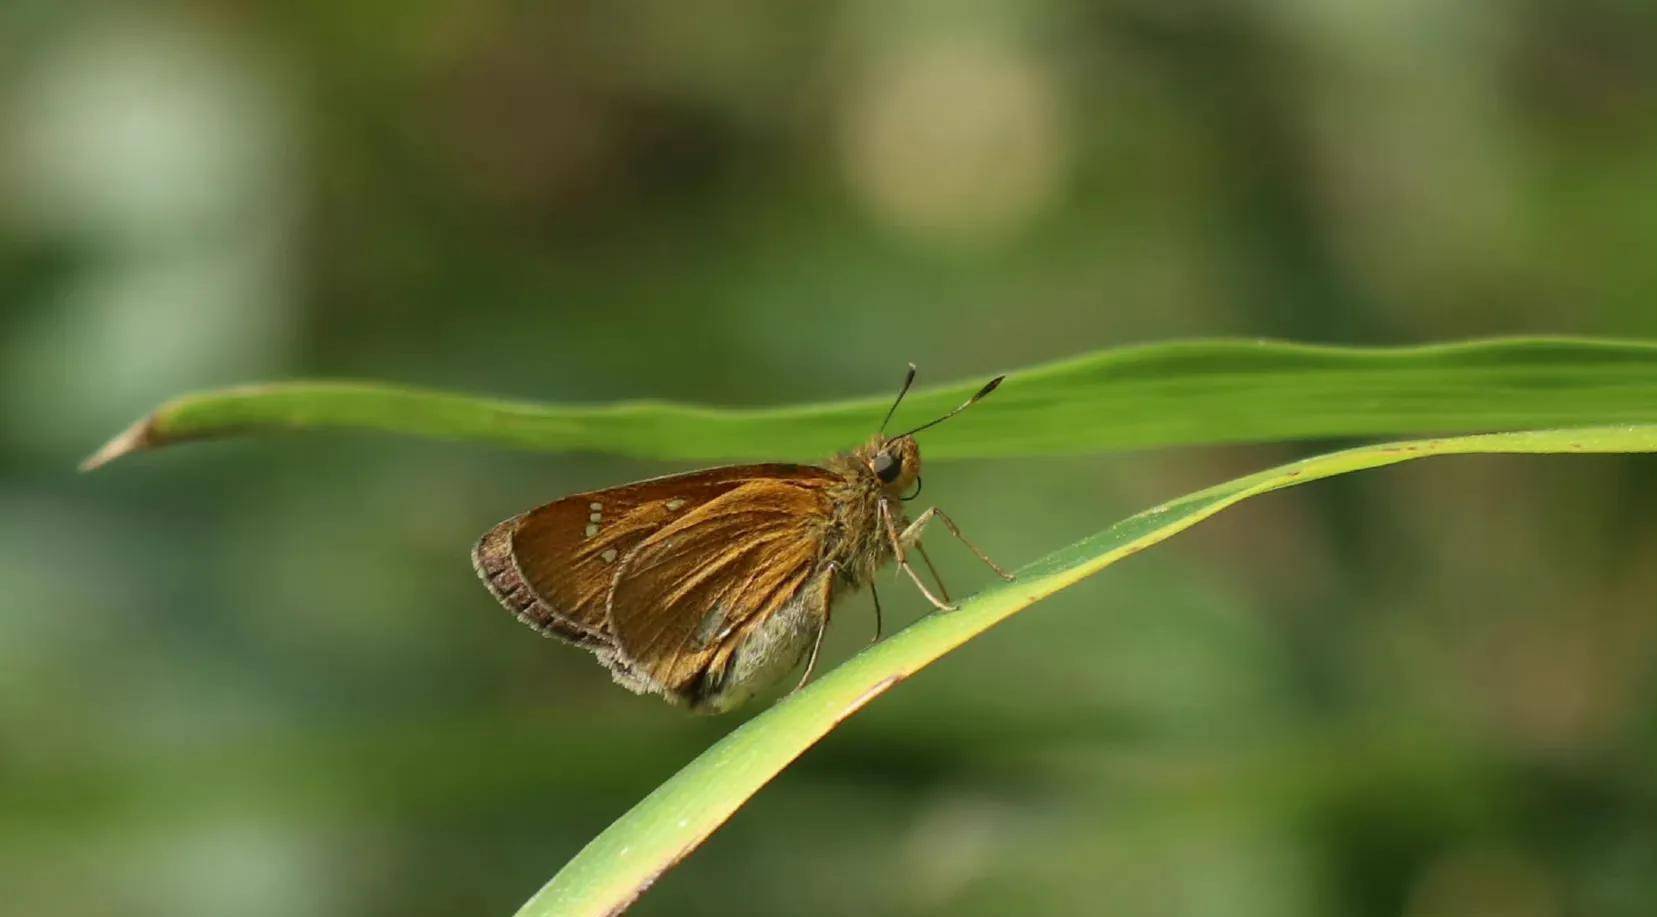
(621, 863)
(1179, 393)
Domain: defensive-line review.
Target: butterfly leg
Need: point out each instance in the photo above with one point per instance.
(817, 642)
(900, 552)
(912, 534)
(943, 590)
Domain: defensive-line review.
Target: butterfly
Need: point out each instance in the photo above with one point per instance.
(706, 587)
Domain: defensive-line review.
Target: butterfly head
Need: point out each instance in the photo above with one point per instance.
(896, 461)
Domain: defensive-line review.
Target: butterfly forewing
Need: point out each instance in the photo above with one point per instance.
(695, 588)
(555, 566)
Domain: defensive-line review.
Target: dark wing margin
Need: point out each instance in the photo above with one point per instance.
(493, 560)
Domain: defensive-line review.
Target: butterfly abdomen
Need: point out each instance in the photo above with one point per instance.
(766, 651)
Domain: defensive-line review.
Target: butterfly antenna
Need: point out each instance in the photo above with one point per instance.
(908, 380)
(988, 387)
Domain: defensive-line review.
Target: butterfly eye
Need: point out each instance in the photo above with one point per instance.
(887, 468)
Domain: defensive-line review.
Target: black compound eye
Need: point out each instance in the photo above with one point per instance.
(887, 468)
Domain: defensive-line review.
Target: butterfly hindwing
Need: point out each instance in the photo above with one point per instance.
(696, 589)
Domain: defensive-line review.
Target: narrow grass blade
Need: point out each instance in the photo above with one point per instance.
(619, 864)
(1134, 397)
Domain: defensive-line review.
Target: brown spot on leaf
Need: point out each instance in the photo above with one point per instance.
(875, 690)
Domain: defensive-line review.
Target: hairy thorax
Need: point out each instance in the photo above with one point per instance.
(858, 542)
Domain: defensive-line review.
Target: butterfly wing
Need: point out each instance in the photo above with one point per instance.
(695, 590)
(553, 566)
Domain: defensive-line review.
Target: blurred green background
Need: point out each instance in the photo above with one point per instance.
(260, 678)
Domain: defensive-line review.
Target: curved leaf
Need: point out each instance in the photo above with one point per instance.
(1133, 397)
(619, 864)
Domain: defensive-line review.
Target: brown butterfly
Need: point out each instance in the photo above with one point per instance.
(707, 586)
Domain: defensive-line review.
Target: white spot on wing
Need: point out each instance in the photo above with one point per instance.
(591, 530)
(595, 517)
(595, 507)
(609, 555)
(673, 505)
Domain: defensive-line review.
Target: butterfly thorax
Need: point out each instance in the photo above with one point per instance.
(858, 542)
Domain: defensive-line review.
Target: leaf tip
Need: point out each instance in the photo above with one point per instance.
(136, 438)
